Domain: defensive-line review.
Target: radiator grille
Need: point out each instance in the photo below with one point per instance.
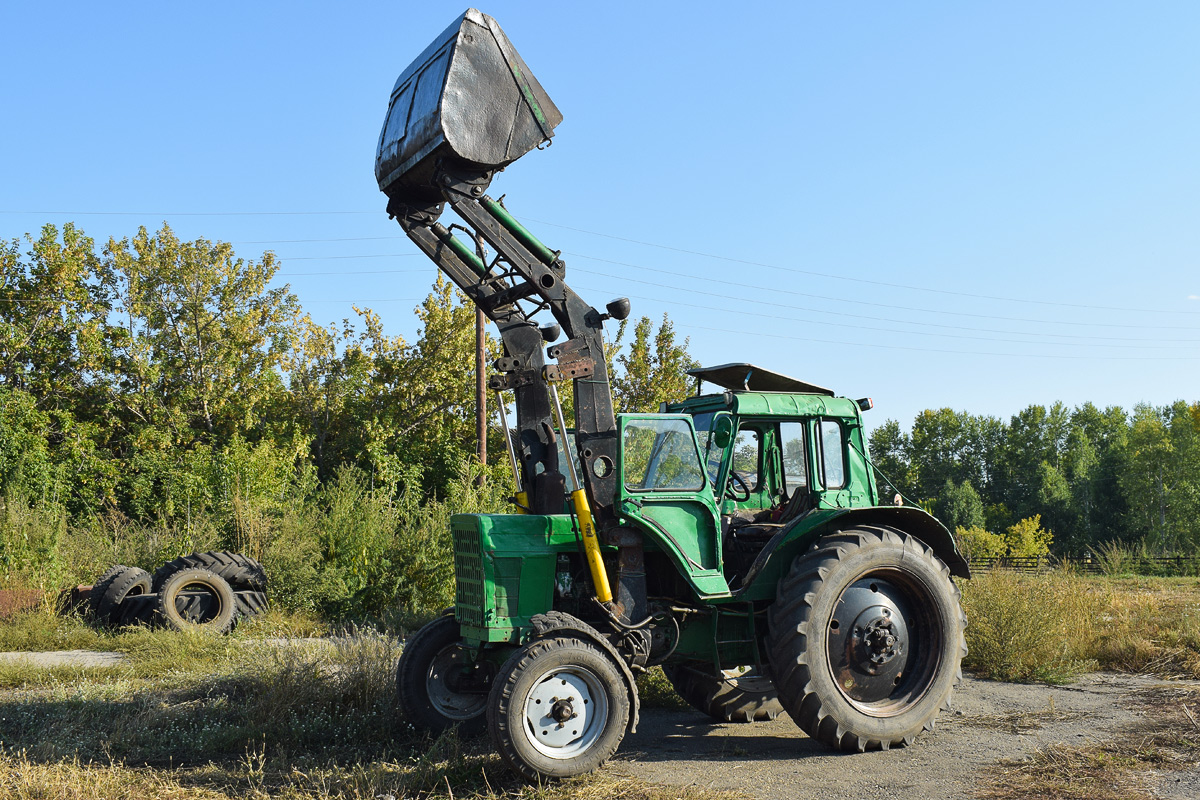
(468, 573)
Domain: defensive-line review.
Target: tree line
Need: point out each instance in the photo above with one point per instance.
(165, 391)
(1094, 476)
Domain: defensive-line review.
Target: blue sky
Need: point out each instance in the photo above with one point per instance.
(979, 206)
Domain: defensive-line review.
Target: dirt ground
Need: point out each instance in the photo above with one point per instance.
(990, 722)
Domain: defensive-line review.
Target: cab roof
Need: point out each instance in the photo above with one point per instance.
(749, 378)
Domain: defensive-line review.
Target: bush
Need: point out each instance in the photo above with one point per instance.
(975, 542)
(1028, 539)
(1029, 627)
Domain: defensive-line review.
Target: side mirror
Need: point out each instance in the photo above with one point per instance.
(722, 433)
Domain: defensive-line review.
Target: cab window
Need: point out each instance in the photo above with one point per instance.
(660, 454)
(747, 449)
(833, 459)
(795, 456)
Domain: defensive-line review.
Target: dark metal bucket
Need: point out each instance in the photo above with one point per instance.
(469, 96)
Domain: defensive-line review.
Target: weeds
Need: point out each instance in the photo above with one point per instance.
(1028, 628)
(1049, 627)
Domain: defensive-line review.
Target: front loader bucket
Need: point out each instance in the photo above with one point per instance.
(469, 96)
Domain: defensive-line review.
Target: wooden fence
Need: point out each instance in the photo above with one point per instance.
(1141, 565)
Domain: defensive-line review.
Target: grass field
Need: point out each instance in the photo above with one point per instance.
(200, 717)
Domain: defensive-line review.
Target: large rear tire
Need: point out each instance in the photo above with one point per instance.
(437, 684)
(733, 695)
(558, 708)
(866, 639)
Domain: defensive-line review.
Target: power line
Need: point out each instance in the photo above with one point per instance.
(670, 248)
(951, 352)
(690, 252)
(191, 213)
(892, 330)
(781, 290)
(839, 277)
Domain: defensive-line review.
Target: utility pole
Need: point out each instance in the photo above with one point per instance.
(480, 391)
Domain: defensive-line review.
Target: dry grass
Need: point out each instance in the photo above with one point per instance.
(1028, 627)
(1124, 768)
(23, 778)
(1150, 625)
(1050, 627)
(208, 717)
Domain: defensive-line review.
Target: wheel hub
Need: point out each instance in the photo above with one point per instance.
(449, 682)
(565, 712)
(880, 639)
(869, 640)
(562, 710)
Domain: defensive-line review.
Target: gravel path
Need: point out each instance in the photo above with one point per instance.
(775, 761)
(67, 658)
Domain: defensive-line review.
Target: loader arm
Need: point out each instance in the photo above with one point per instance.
(464, 109)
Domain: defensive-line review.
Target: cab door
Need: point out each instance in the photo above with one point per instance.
(665, 492)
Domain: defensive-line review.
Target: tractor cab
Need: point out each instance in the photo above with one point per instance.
(718, 480)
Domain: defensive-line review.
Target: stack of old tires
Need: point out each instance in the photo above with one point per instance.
(202, 591)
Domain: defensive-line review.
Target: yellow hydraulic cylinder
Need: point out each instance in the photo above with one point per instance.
(583, 512)
(591, 545)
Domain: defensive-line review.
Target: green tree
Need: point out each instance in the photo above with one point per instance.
(889, 449)
(653, 370)
(201, 336)
(1028, 539)
(959, 506)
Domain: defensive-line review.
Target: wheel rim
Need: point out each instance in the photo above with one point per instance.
(442, 685)
(566, 712)
(884, 643)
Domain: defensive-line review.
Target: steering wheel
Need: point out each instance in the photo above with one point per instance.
(737, 489)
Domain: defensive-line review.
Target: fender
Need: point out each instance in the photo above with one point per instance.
(555, 621)
(777, 556)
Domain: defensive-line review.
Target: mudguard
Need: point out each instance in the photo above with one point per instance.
(777, 556)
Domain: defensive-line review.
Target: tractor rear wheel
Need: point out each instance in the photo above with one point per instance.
(732, 695)
(558, 708)
(866, 639)
(437, 684)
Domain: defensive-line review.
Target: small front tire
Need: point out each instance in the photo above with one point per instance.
(437, 684)
(558, 708)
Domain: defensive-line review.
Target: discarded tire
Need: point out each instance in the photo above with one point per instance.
(250, 604)
(101, 584)
(196, 599)
(111, 592)
(242, 573)
(138, 610)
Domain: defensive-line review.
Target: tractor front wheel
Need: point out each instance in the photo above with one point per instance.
(866, 639)
(438, 685)
(558, 708)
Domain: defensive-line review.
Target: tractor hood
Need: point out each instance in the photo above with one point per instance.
(469, 96)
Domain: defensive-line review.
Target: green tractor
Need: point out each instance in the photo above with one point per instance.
(736, 539)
